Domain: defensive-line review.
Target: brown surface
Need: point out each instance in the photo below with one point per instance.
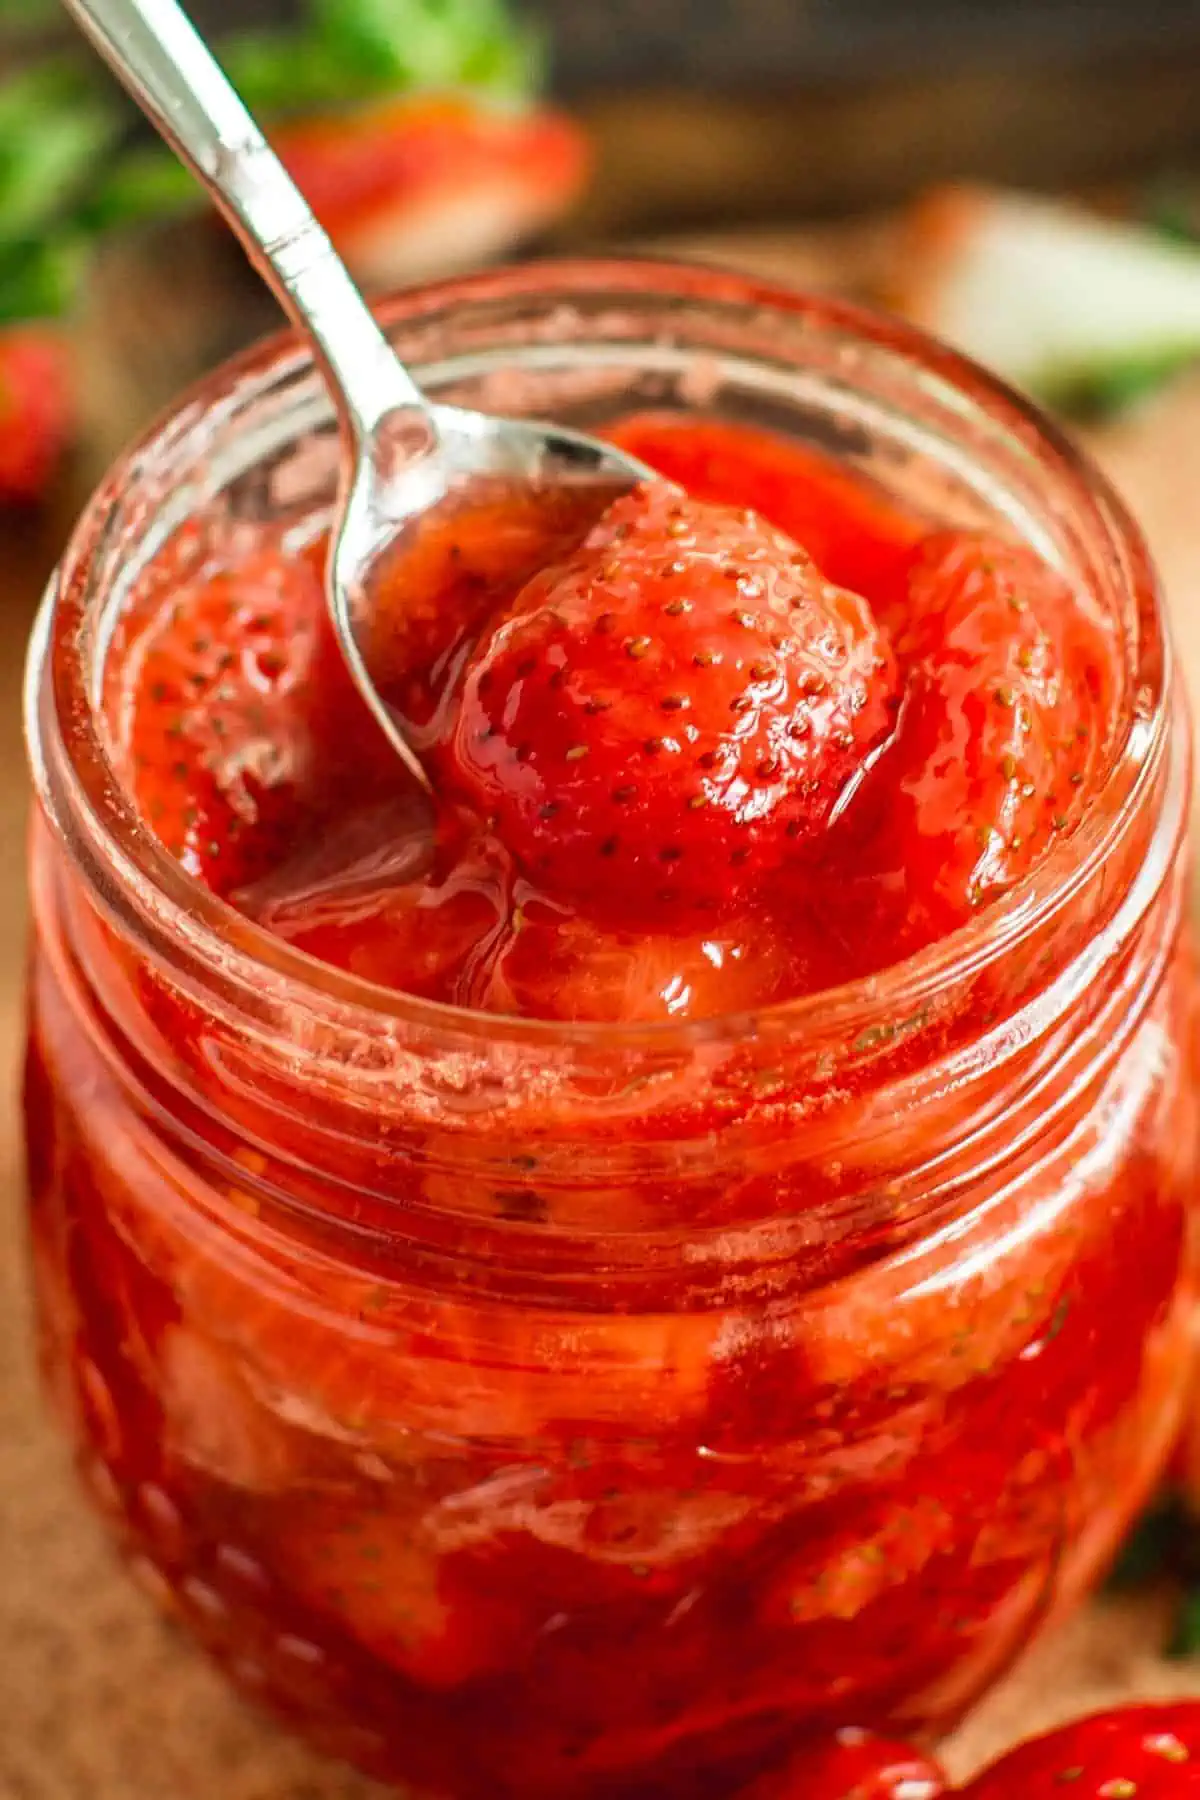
(98, 1699)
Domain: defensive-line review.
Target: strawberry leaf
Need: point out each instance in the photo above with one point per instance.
(353, 50)
(54, 128)
(429, 43)
(38, 279)
(145, 183)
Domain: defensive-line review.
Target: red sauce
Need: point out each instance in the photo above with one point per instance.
(606, 1438)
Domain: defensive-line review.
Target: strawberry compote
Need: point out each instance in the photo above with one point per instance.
(680, 1243)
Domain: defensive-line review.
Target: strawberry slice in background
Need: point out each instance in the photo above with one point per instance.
(425, 184)
(37, 409)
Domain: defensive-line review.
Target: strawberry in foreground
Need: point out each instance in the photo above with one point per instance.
(1130, 1753)
(666, 714)
(853, 1765)
(36, 409)
(855, 532)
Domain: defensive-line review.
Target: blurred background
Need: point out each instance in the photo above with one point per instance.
(816, 139)
(1021, 176)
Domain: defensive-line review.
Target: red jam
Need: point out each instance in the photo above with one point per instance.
(548, 1422)
(685, 766)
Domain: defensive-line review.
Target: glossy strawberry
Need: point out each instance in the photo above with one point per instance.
(221, 684)
(853, 1765)
(1130, 1753)
(558, 964)
(391, 1589)
(855, 533)
(663, 716)
(36, 409)
(1003, 734)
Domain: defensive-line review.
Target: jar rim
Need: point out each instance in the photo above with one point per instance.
(88, 805)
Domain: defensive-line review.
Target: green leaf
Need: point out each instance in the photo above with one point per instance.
(1173, 210)
(278, 75)
(142, 184)
(54, 130)
(1101, 394)
(402, 44)
(39, 280)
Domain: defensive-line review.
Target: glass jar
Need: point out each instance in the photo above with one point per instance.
(560, 1411)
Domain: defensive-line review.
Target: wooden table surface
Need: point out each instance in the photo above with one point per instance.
(99, 1699)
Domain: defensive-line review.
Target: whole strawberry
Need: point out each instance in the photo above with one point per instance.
(1130, 1753)
(663, 716)
(36, 409)
(852, 1765)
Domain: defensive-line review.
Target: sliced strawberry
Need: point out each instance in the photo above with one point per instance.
(377, 896)
(851, 528)
(662, 716)
(37, 409)
(1002, 739)
(852, 1765)
(218, 689)
(560, 965)
(381, 1578)
(1151, 1752)
(420, 186)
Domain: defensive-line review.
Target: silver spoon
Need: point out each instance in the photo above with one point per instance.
(406, 453)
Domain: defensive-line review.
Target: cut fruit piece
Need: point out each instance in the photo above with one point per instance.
(216, 698)
(378, 897)
(557, 965)
(1002, 739)
(419, 187)
(376, 1574)
(1058, 300)
(37, 409)
(214, 1422)
(661, 718)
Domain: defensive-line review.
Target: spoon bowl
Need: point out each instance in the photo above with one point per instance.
(397, 483)
(405, 455)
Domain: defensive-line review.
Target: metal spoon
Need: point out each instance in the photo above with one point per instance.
(406, 454)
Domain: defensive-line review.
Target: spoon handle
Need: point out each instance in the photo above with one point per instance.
(154, 49)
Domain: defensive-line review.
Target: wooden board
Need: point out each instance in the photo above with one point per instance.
(99, 1698)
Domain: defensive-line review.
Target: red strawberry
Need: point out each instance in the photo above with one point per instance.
(1003, 733)
(561, 965)
(853, 530)
(390, 1588)
(853, 1765)
(665, 713)
(36, 408)
(416, 187)
(377, 896)
(1130, 1753)
(214, 685)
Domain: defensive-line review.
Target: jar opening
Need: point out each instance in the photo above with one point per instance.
(522, 340)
